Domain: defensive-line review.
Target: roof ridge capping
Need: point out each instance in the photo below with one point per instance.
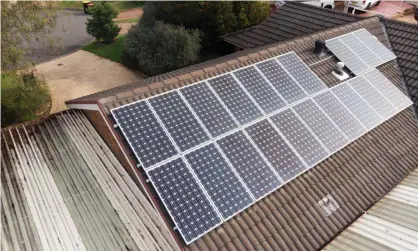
(253, 56)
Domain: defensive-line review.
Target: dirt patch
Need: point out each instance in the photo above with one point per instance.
(129, 14)
(82, 73)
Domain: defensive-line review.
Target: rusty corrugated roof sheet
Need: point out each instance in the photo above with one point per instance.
(63, 189)
(391, 224)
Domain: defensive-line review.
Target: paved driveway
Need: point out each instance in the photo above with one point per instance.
(68, 35)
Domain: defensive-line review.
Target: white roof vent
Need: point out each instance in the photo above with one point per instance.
(339, 72)
(328, 205)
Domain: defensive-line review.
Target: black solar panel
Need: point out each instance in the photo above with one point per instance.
(259, 89)
(219, 180)
(299, 136)
(144, 134)
(185, 201)
(209, 109)
(275, 149)
(179, 120)
(283, 83)
(302, 73)
(234, 97)
(373, 97)
(248, 163)
(321, 125)
(340, 115)
(357, 105)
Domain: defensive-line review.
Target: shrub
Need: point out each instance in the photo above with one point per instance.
(101, 25)
(23, 97)
(161, 47)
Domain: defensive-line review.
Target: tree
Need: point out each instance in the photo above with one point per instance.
(23, 97)
(101, 25)
(162, 47)
(21, 24)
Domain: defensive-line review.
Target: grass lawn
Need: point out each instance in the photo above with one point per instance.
(111, 51)
(118, 5)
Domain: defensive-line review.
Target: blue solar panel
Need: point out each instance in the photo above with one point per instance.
(350, 59)
(209, 109)
(367, 55)
(219, 180)
(302, 73)
(319, 123)
(275, 149)
(144, 134)
(179, 120)
(340, 115)
(184, 199)
(283, 83)
(259, 89)
(248, 163)
(357, 105)
(373, 43)
(299, 136)
(236, 100)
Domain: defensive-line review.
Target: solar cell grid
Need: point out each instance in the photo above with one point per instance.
(324, 128)
(299, 136)
(248, 163)
(361, 50)
(283, 83)
(357, 105)
(375, 45)
(209, 109)
(343, 53)
(283, 159)
(259, 89)
(179, 120)
(340, 115)
(235, 99)
(373, 97)
(187, 204)
(301, 72)
(219, 180)
(144, 134)
(389, 90)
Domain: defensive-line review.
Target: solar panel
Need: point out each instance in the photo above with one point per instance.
(357, 105)
(373, 43)
(342, 117)
(184, 199)
(144, 134)
(367, 55)
(219, 180)
(235, 99)
(301, 72)
(389, 90)
(299, 136)
(343, 53)
(321, 125)
(281, 80)
(259, 89)
(281, 156)
(179, 121)
(250, 166)
(209, 109)
(373, 97)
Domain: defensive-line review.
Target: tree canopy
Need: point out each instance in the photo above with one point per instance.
(101, 25)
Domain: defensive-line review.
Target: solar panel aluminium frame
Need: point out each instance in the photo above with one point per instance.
(242, 127)
(217, 96)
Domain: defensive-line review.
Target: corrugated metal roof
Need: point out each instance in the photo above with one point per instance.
(63, 189)
(391, 224)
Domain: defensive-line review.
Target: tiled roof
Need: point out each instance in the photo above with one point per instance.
(289, 21)
(391, 224)
(404, 40)
(63, 189)
(355, 177)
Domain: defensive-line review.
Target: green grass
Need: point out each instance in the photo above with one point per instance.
(111, 51)
(132, 20)
(118, 5)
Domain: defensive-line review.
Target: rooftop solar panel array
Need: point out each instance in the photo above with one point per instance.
(213, 148)
(360, 51)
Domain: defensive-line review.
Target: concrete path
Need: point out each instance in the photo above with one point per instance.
(82, 73)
